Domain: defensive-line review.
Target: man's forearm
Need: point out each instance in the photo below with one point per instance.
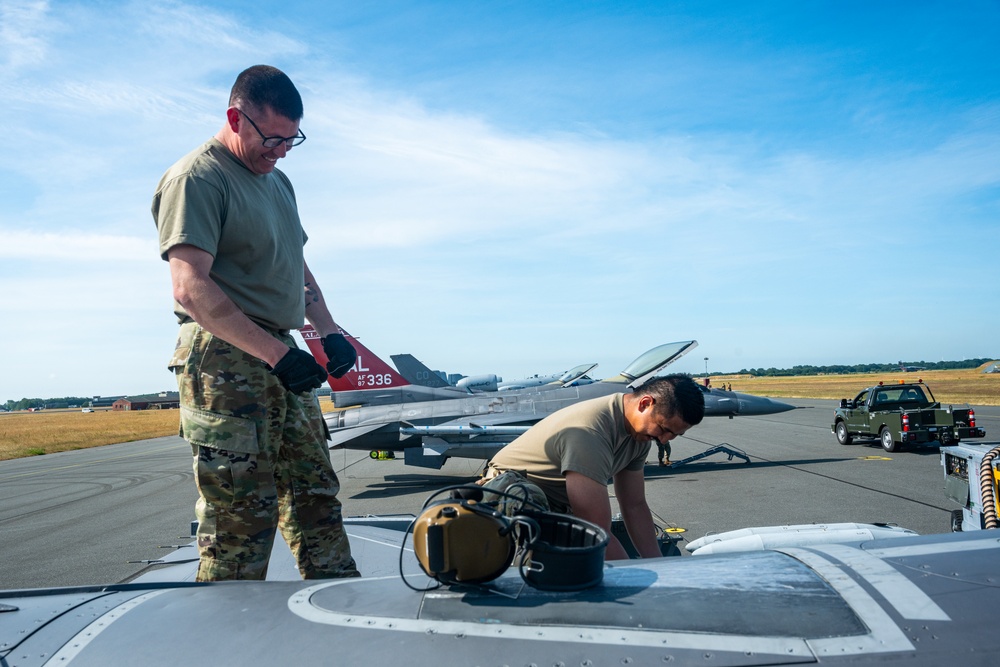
(317, 311)
(642, 532)
(615, 550)
(318, 314)
(209, 306)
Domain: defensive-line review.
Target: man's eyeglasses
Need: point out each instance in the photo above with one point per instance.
(274, 142)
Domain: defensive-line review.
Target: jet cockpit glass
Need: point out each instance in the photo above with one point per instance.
(576, 372)
(655, 359)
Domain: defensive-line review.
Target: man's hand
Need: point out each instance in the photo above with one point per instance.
(630, 490)
(340, 353)
(299, 372)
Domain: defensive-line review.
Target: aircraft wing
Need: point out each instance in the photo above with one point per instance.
(491, 426)
(495, 419)
(478, 437)
(430, 445)
(920, 601)
(500, 425)
(342, 436)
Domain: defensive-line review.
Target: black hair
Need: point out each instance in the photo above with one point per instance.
(262, 86)
(676, 395)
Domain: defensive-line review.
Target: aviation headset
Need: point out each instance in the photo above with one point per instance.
(463, 540)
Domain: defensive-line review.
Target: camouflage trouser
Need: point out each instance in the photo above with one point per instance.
(515, 484)
(260, 462)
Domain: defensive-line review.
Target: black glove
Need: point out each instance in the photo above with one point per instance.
(299, 372)
(341, 354)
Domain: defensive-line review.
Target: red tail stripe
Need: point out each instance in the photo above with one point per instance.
(369, 372)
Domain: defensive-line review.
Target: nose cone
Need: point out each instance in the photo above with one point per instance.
(731, 403)
(758, 405)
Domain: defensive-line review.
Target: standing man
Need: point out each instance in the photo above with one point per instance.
(229, 227)
(571, 454)
(663, 453)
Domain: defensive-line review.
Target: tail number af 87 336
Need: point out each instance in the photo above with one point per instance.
(366, 379)
(374, 380)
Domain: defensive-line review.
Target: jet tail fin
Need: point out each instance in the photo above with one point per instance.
(416, 372)
(368, 372)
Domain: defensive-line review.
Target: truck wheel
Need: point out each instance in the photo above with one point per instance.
(843, 437)
(956, 521)
(885, 435)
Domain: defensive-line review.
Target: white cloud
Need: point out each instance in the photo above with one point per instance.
(23, 24)
(73, 245)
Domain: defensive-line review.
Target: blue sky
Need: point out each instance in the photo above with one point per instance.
(518, 187)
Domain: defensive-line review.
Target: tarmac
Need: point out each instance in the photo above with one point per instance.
(95, 516)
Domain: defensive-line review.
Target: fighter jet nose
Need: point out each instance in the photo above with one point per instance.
(758, 405)
(731, 404)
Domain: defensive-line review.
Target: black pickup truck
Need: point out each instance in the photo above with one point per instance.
(903, 414)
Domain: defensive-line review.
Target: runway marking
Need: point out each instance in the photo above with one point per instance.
(874, 458)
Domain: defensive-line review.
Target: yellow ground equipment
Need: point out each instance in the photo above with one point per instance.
(971, 478)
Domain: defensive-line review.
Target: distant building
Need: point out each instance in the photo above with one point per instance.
(123, 404)
(992, 368)
(104, 401)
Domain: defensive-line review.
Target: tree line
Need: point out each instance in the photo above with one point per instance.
(78, 401)
(51, 403)
(843, 369)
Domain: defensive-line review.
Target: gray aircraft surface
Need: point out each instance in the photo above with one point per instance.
(431, 424)
(416, 372)
(924, 601)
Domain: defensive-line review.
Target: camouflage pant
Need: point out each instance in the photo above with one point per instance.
(260, 462)
(514, 484)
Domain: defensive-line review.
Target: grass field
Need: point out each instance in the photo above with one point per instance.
(35, 433)
(49, 431)
(962, 386)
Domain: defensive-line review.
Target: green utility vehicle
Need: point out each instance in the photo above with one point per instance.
(904, 413)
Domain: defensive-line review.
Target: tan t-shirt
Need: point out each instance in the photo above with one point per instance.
(248, 222)
(589, 438)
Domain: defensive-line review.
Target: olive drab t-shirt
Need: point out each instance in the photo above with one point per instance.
(248, 222)
(589, 438)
